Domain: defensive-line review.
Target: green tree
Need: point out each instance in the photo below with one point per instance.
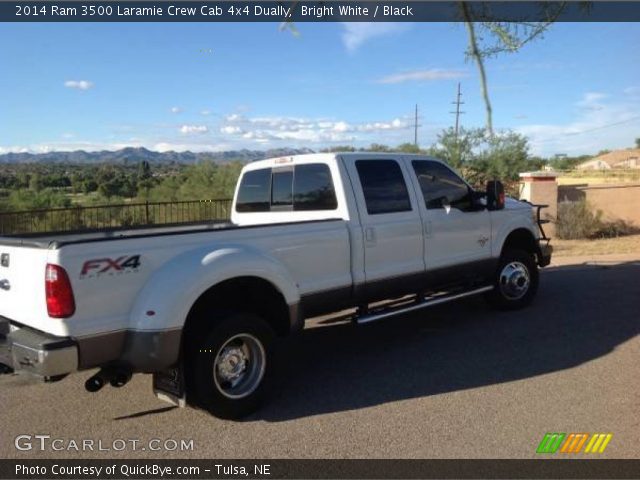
(204, 181)
(23, 179)
(145, 180)
(567, 163)
(36, 182)
(89, 185)
(505, 155)
(105, 174)
(481, 155)
(32, 200)
(144, 170)
(339, 148)
(111, 188)
(457, 150)
(376, 147)
(128, 188)
(143, 188)
(638, 142)
(76, 182)
(408, 148)
(168, 190)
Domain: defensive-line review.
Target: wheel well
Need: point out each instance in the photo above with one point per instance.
(245, 294)
(522, 239)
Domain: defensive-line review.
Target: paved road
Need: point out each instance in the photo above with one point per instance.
(454, 381)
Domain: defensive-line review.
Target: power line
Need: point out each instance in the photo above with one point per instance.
(605, 126)
(602, 127)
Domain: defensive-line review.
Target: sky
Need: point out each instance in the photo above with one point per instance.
(224, 86)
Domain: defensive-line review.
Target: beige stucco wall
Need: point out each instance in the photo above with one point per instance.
(616, 201)
(542, 192)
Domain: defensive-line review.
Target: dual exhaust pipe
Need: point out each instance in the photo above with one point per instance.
(117, 378)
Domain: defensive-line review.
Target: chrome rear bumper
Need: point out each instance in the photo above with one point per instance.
(25, 350)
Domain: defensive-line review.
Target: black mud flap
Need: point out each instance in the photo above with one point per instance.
(168, 385)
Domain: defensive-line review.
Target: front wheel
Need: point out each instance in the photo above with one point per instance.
(516, 281)
(230, 366)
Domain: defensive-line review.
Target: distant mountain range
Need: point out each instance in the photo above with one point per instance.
(135, 155)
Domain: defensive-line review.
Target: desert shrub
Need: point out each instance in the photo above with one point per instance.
(32, 200)
(576, 220)
(617, 228)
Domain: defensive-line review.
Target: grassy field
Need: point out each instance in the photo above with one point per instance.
(626, 244)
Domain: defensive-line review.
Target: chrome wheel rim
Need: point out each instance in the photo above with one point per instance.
(514, 280)
(239, 366)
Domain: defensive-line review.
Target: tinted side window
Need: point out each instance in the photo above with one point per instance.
(313, 188)
(282, 188)
(385, 190)
(254, 192)
(440, 186)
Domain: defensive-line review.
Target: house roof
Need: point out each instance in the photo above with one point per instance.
(616, 156)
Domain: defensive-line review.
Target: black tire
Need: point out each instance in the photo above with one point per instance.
(512, 290)
(231, 338)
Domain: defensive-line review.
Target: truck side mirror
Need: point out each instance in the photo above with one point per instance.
(495, 195)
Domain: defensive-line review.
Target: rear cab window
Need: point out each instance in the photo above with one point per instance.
(255, 191)
(303, 187)
(282, 189)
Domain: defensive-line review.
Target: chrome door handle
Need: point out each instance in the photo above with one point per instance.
(5, 285)
(427, 228)
(370, 236)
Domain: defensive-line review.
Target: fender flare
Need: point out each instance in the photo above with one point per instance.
(506, 229)
(174, 288)
(524, 230)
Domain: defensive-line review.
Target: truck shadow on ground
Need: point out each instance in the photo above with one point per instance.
(581, 313)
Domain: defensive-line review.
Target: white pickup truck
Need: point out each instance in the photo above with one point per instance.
(199, 306)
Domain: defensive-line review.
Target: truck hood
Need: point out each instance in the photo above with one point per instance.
(513, 204)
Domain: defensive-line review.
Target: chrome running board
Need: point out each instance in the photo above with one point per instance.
(417, 305)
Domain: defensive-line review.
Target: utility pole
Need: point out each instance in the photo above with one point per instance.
(457, 113)
(415, 128)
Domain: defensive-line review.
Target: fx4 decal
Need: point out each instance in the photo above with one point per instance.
(109, 266)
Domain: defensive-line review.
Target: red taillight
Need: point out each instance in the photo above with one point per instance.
(60, 302)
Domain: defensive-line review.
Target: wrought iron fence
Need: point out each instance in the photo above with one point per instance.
(76, 219)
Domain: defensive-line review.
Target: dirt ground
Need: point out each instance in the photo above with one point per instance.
(621, 245)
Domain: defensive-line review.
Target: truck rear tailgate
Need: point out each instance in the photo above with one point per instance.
(22, 288)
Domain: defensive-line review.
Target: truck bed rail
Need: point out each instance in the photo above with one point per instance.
(79, 219)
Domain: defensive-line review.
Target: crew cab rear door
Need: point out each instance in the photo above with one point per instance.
(457, 230)
(391, 226)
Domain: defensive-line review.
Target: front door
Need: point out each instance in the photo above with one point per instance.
(457, 233)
